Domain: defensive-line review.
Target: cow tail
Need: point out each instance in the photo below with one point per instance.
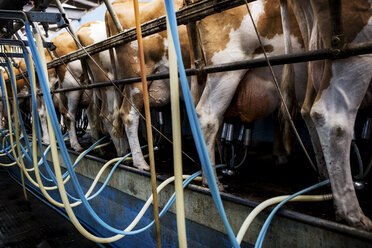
(287, 85)
(117, 126)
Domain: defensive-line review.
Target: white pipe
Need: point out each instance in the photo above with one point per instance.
(176, 133)
(272, 201)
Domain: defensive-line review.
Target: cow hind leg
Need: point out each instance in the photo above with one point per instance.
(334, 115)
(73, 99)
(305, 112)
(130, 117)
(43, 121)
(213, 103)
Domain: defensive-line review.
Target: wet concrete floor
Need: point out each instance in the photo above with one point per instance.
(32, 223)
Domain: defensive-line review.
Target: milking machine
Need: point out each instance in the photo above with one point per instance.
(235, 144)
(358, 157)
(81, 122)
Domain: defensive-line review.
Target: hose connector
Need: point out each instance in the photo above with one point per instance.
(230, 133)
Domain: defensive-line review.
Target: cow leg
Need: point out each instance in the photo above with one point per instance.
(73, 99)
(333, 115)
(213, 103)
(43, 121)
(110, 114)
(305, 112)
(94, 121)
(130, 117)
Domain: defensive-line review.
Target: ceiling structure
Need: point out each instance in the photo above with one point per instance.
(74, 9)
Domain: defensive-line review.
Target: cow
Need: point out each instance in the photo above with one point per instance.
(156, 52)
(23, 89)
(334, 93)
(108, 98)
(229, 36)
(62, 77)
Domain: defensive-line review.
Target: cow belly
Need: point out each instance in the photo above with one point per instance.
(255, 98)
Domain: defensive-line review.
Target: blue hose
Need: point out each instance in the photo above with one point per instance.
(63, 149)
(264, 228)
(195, 127)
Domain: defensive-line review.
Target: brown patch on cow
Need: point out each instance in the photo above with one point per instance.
(210, 27)
(83, 34)
(259, 50)
(355, 16)
(65, 44)
(270, 24)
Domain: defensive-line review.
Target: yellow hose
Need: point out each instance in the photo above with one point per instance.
(20, 160)
(146, 104)
(247, 222)
(176, 132)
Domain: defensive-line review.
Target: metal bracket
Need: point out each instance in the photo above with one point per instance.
(13, 55)
(34, 16)
(23, 43)
(58, 18)
(11, 42)
(48, 45)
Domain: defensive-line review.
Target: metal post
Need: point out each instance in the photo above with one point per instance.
(119, 28)
(113, 15)
(197, 57)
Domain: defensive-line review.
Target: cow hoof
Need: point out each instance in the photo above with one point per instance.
(221, 188)
(364, 223)
(143, 167)
(78, 148)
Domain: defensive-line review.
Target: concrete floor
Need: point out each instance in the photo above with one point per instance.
(32, 223)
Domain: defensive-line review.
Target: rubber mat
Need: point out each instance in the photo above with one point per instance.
(30, 224)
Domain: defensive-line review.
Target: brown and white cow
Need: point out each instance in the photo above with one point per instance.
(23, 89)
(156, 58)
(230, 36)
(108, 99)
(67, 102)
(334, 93)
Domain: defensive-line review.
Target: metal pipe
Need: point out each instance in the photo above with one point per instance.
(348, 51)
(351, 50)
(62, 11)
(114, 17)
